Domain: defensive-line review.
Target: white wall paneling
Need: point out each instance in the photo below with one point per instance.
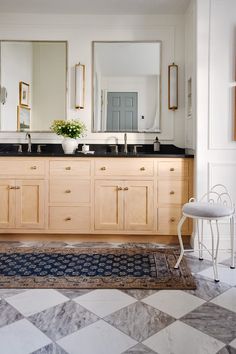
(80, 31)
(215, 148)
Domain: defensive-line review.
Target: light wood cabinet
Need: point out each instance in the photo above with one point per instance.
(89, 195)
(22, 204)
(124, 205)
(70, 195)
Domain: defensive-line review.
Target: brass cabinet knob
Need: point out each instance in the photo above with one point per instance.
(172, 169)
(33, 167)
(142, 169)
(126, 188)
(172, 192)
(103, 168)
(68, 191)
(68, 218)
(172, 220)
(119, 188)
(68, 168)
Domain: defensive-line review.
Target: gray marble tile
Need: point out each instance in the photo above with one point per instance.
(139, 294)
(139, 320)
(5, 293)
(8, 314)
(196, 265)
(10, 244)
(139, 349)
(73, 293)
(227, 262)
(214, 321)
(207, 289)
(227, 350)
(50, 349)
(61, 320)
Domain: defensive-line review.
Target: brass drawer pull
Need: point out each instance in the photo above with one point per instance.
(17, 187)
(68, 219)
(126, 188)
(172, 192)
(103, 168)
(68, 191)
(11, 187)
(33, 167)
(119, 188)
(172, 169)
(172, 220)
(68, 168)
(142, 169)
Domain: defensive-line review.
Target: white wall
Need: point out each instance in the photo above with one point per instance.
(216, 53)
(16, 59)
(80, 31)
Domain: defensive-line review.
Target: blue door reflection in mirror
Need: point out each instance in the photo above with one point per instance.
(122, 111)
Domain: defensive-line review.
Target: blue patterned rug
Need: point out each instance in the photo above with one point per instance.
(93, 268)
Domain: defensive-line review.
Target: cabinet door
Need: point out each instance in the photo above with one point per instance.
(139, 205)
(7, 203)
(30, 196)
(108, 205)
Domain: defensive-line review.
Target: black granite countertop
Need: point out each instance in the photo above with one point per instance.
(100, 150)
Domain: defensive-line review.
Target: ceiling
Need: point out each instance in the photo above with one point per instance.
(99, 7)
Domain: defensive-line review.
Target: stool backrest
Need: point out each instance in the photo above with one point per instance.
(218, 194)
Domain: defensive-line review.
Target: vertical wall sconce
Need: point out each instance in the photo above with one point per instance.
(79, 85)
(173, 87)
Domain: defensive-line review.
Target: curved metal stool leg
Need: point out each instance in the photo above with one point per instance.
(232, 266)
(215, 251)
(180, 224)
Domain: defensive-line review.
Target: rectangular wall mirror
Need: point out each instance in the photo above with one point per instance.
(33, 81)
(126, 86)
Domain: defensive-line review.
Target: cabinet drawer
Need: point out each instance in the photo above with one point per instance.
(172, 192)
(168, 219)
(173, 168)
(69, 191)
(124, 167)
(20, 167)
(70, 168)
(69, 218)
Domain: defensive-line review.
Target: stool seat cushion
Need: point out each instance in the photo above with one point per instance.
(207, 210)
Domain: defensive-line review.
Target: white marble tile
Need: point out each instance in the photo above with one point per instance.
(178, 338)
(99, 338)
(233, 343)
(21, 337)
(226, 274)
(175, 303)
(227, 299)
(36, 300)
(102, 302)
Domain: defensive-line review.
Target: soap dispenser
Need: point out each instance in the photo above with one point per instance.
(156, 144)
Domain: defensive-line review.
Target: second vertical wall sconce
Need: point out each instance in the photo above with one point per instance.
(173, 87)
(79, 85)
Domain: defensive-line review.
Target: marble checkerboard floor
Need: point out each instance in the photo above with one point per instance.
(130, 322)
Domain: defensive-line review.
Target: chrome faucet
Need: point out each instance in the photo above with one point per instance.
(125, 144)
(28, 136)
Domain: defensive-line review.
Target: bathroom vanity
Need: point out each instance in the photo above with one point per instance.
(101, 194)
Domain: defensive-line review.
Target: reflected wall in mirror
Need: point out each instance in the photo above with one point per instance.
(126, 86)
(42, 67)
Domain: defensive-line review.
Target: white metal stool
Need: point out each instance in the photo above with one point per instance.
(213, 206)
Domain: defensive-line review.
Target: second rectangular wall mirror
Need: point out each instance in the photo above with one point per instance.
(126, 86)
(33, 75)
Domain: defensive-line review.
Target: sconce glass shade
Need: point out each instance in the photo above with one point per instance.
(173, 87)
(79, 85)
